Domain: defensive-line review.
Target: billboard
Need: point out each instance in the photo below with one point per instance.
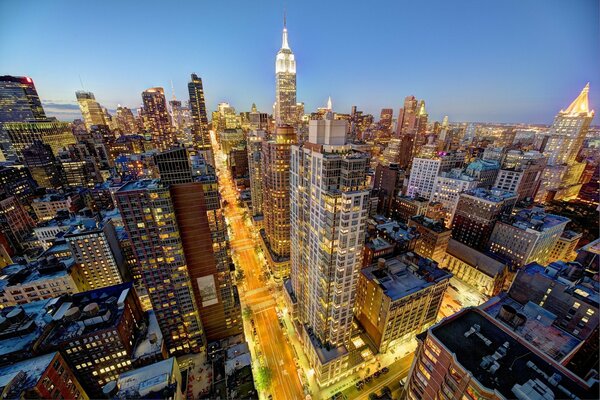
(208, 290)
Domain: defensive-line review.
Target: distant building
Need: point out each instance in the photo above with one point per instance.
(424, 172)
(56, 134)
(90, 109)
(399, 297)
(527, 237)
(564, 248)
(285, 83)
(407, 207)
(254, 146)
(46, 207)
(476, 214)
(45, 168)
(524, 180)
(447, 189)
(20, 100)
(485, 171)
(15, 222)
(388, 182)
(157, 121)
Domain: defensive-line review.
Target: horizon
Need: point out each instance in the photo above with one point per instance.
(483, 73)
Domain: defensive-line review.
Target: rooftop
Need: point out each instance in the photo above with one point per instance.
(43, 269)
(405, 274)
(148, 381)
(536, 219)
(430, 224)
(142, 184)
(397, 231)
(535, 325)
(87, 312)
(498, 360)
(493, 195)
(483, 165)
(485, 263)
(16, 379)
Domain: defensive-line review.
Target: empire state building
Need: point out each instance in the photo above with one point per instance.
(285, 83)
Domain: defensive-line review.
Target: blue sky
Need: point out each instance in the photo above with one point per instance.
(474, 60)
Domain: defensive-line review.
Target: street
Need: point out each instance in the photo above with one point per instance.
(270, 345)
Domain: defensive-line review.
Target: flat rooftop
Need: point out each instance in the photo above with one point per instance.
(151, 379)
(17, 274)
(493, 195)
(536, 219)
(481, 261)
(32, 371)
(405, 274)
(142, 184)
(538, 328)
(516, 368)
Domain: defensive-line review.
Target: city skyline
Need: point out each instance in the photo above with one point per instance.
(519, 73)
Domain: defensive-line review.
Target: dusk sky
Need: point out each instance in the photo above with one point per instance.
(473, 60)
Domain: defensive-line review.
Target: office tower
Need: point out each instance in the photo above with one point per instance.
(148, 212)
(44, 377)
(125, 120)
(446, 190)
(176, 114)
(16, 180)
(433, 237)
(524, 179)
(44, 166)
(529, 236)
(201, 225)
(565, 140)
(399, 297)
(568, 130)
(15, 223)
(237, 162)
(485, 171)
(258, 120)
(424, 172)
(385, 119)
(50, 131)
(476, 214)
(479, 269)
(392, 152)
(474, 354)
(406, 207)
(407, 117)
(329, 200)
(19, 100)
(225, 117)
(276, 154)
(285, 83)
(387, 182)
(90, 109)
(157, 120)
(199, 118)
(95, 247)
(564, 248)
(255, 143)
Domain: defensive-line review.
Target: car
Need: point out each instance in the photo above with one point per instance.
(385, 370)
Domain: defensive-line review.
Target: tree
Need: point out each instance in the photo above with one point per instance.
(240, 275)
(247, 313)
(263, 378)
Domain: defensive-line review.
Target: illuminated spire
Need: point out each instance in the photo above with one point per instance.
(329, 105)
(580, 104)
(284, 41)
(422, 108)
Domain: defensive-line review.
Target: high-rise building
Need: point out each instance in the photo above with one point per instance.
(329, 200)
(385, 118)
(55, 133)
(201, 134)
(529, 236)
(399, 297)
(407, 117)
(523, 180)
(157, 120)
(565, 140)
(569, 130)
(149, 216)
(45, 168)
(476, 214)
(203, 232)
(19, 100)
(254, 146)
(285, 83)
(96, 249)
(406, 207)
(387, 182)
(15, 222)
(125, 120)
(564, 249)
(424, 172)
(447, 188)
(90, 109)
(276, 188)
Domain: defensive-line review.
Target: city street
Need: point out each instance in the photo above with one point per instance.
(270, 345)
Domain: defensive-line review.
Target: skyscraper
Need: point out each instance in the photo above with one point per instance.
(255, 140)
(285, 83)
(200, 119)
(385, 118)
(276, 185)
(149, 215)
(157, 120)
(126, 120)
(90, 109)
(19, 100)
(329, 202)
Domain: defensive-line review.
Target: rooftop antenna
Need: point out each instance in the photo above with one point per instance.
(81, 81)
(173, 90)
